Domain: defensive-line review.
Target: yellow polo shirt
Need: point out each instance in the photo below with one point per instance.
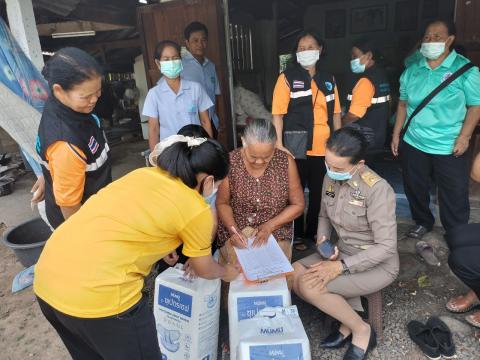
(94, 264)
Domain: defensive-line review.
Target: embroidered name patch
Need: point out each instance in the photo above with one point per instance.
(93, 145)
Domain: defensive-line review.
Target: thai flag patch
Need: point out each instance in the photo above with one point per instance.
(298, 84)
(93, 145)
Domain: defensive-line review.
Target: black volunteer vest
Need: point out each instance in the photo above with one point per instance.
(376, 117)
(60, 123)
(299, 115)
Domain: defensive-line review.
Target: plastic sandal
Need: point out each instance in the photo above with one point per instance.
(426, 252)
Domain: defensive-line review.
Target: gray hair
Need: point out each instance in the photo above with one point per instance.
(259, 131)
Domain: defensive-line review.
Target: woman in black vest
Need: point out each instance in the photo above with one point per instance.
(71, 141)
(368, 95)
(306, 109)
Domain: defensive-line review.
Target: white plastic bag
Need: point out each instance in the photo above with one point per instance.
(187, 314)
(273, 334)
(245, 300)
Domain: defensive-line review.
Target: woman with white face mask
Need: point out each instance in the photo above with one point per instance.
(174, 102)
(437, 137)
(306, 109)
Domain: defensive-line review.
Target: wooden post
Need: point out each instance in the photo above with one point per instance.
(24, 29)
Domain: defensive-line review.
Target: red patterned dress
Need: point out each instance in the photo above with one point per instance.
(254, 201)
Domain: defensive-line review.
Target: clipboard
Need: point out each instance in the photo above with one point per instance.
(264, 262)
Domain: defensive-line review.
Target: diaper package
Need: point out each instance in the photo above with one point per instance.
(245, 300)
(273, 334)
(187, 313)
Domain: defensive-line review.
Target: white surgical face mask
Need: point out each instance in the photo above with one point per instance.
(432, 50)
(308, 58)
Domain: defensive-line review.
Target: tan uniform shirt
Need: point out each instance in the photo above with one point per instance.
(362, 212)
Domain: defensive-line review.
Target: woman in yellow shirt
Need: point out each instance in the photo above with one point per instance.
(90, 275)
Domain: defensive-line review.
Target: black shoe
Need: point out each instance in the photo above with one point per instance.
(417, 232)
(442, 334)
(356, 353)
(422, 336)
(335, 340)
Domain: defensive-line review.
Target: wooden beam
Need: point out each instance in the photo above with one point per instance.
(75, 26)
(118, 12)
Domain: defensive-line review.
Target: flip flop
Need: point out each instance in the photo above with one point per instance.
(301, 247)
(472, 321)
(442, 334)
(426, 252)
(299, 244)
(422, 336)
(454, 310)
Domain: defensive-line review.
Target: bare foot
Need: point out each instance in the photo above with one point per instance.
(362, 337)
(474, 319)
(463, 303)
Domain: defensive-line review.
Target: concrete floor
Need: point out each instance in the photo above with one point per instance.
(406, 299)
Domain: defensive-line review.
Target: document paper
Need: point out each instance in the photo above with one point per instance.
(263, 262)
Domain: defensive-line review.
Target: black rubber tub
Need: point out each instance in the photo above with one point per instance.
(27, 240)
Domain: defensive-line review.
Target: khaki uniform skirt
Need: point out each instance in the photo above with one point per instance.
(352, 286)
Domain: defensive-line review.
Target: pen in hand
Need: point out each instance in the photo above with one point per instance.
(242, 239)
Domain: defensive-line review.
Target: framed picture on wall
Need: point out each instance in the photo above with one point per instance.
(406, 15)
(368, 19)
(335, 23)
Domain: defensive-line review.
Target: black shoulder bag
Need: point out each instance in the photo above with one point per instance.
(434, 93)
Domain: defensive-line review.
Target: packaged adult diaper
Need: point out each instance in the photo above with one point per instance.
(273, 334)
(245, 300)
(187, 316)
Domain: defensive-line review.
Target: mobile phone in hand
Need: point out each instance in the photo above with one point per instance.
(326, 249)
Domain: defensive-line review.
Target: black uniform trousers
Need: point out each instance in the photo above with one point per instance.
(312, 171)
(127, 336)
(451, 176)
(464, 244)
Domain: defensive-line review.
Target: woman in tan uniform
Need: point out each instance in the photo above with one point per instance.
(360, 207)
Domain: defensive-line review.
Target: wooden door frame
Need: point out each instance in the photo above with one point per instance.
(227, 136)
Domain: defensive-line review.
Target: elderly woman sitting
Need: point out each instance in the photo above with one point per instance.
(360, 207)
(262, 193)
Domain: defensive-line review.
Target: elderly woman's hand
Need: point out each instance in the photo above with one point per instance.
(321, 273)
(238, 238)
(263, 233)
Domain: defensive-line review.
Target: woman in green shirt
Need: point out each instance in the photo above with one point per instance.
(438, 136)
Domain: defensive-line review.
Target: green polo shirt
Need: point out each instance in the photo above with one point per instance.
(435, 128)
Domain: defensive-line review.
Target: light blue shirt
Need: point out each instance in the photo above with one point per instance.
(435, 128)
(174, 111)
(204, 74)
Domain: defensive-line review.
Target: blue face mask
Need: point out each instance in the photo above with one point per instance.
(338, 176)
(210, 199)
(356, 66)
(171, 68)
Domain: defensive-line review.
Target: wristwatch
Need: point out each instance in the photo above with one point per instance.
(346, 270)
